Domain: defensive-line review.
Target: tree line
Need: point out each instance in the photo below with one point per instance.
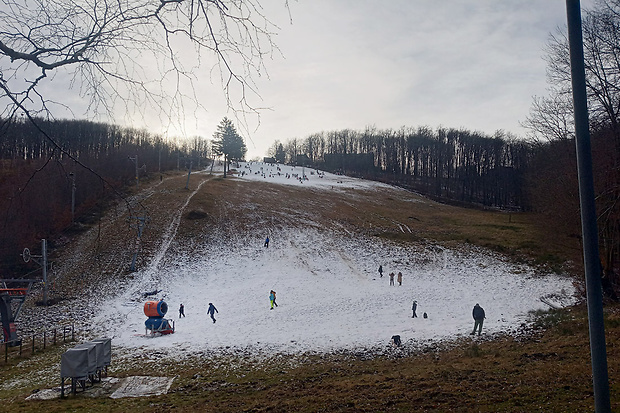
(56, 172)
(454, 165)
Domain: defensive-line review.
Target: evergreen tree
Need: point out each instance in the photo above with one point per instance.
(280, 154)
(227, 142)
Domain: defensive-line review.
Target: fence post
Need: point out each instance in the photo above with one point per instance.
(44, 339)
(33, 344)
(54, 336)
(64, 330)
(72, 332)
(6, 352)
(21, 343)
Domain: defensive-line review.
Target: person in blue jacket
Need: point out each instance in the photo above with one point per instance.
(267, 242)
(272, 299)
(211, 311)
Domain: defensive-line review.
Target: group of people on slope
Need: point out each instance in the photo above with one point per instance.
(210, 311)
(477, 313)
(399, 277)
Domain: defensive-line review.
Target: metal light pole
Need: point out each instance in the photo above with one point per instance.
(72, 175)
(588, 211)
(141, 222)
(188, 174)
(42, 261)
(44, 264)
(135, 161)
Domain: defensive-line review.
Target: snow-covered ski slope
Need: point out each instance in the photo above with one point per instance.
(329, 293)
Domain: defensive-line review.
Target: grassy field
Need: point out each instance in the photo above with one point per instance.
(545, 369)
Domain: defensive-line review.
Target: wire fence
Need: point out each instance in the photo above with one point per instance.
(37, 342)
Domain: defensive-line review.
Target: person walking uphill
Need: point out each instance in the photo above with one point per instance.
(181, 311)
(414, 307)
(381, 271)
(266, 242)
(479, 316)
(391, 278)
(212, 310)
(400, 278)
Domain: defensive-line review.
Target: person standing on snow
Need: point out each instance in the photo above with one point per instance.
(400, 278)
(266, 242)
(391, 278)
(380, 271)
(181, 311)
(212, 310)
(272, 299)
(479, 316)
(414, 307)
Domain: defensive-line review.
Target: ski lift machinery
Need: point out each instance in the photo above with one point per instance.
(11, 300)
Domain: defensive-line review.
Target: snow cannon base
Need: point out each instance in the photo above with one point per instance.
(159, 325)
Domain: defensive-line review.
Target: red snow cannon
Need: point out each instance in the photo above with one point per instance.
(155, 308)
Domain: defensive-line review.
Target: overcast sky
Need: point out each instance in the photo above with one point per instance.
(473, 64)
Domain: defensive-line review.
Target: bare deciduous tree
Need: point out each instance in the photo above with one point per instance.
(601, 37)
(129, 52)
(551, 118)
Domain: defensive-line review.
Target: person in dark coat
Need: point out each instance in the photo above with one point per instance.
(181, 311)
(380, 271)
(400, 278)
(212, 310)
(414, 307)
(272, 298)
(479, 316)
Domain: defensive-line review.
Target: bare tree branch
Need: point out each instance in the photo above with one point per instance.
(128, 50)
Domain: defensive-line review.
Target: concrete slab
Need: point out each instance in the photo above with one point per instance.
(141, 386)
